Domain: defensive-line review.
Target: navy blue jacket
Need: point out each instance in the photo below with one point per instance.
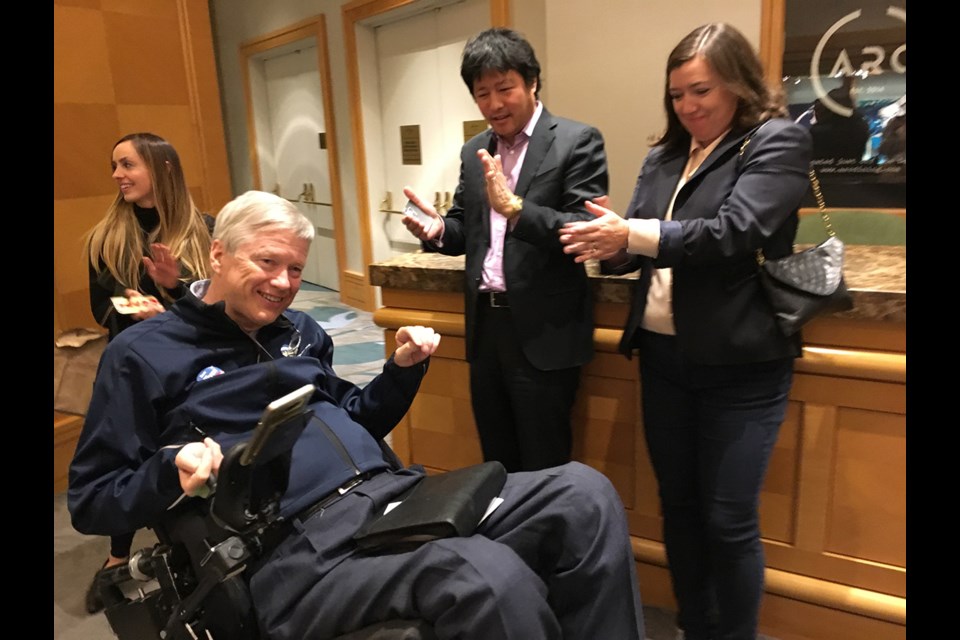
(731, 206)
(192, 372)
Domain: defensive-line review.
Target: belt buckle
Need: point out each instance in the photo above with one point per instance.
(350, 484)
(493, 300)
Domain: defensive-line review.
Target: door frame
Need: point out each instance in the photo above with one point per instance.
(314, 27)
(356, 288)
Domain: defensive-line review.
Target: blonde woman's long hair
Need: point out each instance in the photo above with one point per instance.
(117, 239)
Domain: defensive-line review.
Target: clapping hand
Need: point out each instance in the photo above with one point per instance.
(162, 266)
(601, 238)
(499, 195)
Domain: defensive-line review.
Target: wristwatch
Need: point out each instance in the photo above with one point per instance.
(516, 205)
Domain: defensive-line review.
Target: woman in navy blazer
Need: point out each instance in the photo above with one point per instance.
(725, 180)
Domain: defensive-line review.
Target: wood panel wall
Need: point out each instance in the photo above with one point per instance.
(122, 67)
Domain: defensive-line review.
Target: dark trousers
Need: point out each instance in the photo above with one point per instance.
(120, 545)
(710, 431)
(522, 413)
(552, 561)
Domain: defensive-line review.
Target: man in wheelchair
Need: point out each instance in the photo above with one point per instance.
(177, 392)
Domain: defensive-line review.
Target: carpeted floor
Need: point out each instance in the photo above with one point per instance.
(358, 356)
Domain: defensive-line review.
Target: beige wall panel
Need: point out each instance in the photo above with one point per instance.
(173, 122)
(200, 198)
(149, 8)
(604, 419)
(147, 64)
(858, 394)
(72, 219)
(655, 587)
(211, 137)
(84, 135)
(778, 496)
(446, 451)
(645, 524)
(427, 300)
(606, 314)
(609, 401)
(441, 414)
(89, 4)
(844, 570)
(889, 336)
(789, 619)
(85, 79)
(613, 365)
(447, 376)
(868, 509)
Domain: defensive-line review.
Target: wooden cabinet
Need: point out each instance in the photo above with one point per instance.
(833, 507)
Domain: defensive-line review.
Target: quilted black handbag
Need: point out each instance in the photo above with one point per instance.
(803, 285)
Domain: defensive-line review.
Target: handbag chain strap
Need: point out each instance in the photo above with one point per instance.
(815, 183)
(821, 205)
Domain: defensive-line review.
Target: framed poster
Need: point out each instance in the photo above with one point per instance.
(843, 68)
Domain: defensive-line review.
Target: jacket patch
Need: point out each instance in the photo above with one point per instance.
(209, 372)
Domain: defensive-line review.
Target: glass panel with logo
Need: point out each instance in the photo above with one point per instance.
(845, 77)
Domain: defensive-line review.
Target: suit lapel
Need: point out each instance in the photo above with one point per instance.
(540, 142)
(730, 144)
(671, 167)
(732, 139)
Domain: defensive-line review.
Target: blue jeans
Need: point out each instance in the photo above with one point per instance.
(710, 430)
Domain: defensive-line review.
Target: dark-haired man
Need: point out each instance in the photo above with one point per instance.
(529, 311)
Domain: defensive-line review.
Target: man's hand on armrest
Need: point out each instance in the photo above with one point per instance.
(198, 462)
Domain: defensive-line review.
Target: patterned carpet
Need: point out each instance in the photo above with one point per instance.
(358, 353)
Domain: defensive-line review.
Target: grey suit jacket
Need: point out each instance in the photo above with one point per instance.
(565, 165)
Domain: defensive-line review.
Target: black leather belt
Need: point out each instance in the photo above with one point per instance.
(274, 534)
(495, 299)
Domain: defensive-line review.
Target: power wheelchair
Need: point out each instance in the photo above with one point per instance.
(193, 582)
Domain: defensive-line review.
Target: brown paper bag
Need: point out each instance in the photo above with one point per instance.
(76, 354)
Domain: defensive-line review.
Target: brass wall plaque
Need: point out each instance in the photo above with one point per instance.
(472, 128)
(410, 143)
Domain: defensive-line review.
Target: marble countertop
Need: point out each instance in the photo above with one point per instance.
(875, 275)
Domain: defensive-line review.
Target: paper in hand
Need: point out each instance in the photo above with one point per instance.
(135, 304)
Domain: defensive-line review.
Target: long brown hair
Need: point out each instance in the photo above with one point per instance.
(117, 239)
(733, 58)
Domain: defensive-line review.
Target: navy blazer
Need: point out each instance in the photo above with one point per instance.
(732, 205)
(550, 299)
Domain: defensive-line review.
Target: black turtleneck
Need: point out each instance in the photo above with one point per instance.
(104, 286)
